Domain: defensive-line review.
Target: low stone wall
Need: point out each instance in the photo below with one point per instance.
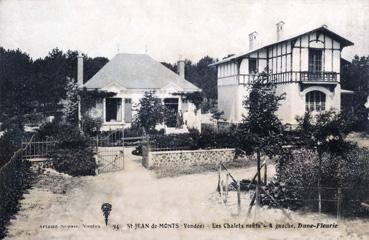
(180, 158)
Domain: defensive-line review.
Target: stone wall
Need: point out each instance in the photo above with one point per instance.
(180, 158)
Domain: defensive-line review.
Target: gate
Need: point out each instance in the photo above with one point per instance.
(110, 151)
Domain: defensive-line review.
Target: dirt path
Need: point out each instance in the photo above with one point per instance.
(137, 196)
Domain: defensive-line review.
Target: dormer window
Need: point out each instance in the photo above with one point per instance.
(315, 60)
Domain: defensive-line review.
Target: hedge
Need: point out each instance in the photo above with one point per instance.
(15, 178)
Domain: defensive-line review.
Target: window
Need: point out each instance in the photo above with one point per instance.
(171, 116)
(315, 60)
(315, 101)
(113, 110)
(252, 66)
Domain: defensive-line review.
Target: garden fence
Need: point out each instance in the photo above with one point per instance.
(38, 150)
(332, 195)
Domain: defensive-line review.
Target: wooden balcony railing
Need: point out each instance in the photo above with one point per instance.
(285, 77)
(246, 78)
(318, 76)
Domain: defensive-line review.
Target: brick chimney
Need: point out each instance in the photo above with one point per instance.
(80, 70)
(280, 31)
(252, 40)
(181, 68)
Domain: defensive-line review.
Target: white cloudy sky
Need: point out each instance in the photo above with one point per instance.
(172, 28)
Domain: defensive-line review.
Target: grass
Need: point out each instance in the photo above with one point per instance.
(186, 170)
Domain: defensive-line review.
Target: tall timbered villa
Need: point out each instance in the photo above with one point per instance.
(306, 67)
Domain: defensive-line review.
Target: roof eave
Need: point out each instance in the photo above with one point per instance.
(343, 40)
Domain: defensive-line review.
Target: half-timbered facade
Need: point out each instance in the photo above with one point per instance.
(306, 67)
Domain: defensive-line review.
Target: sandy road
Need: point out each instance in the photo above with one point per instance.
(63, 207)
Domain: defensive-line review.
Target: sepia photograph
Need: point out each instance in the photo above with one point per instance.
(184, 119)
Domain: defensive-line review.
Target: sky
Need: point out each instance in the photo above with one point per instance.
(171, 29)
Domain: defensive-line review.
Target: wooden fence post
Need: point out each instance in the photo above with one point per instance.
(221, 187)
(319, 183)
(239, 197)
(219, 173)
(339, 201)
(226, 188)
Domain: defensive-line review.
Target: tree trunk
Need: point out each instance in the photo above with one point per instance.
(319, 182)
(257, 191)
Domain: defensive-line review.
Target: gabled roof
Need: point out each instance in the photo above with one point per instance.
(137, 71)
(322, 29)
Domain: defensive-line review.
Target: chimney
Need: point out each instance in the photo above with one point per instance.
(181, 68)
(80, 70)
(280, 30)
(252, 40)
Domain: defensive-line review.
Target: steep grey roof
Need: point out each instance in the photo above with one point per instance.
(323, 29)
(137, 71)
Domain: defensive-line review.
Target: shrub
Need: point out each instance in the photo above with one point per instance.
(212, 138)
(91, 126)
(173, 141)
(74, 154)
(15, 179)
(50, 129)
(299, 171)
(208, 138)
(75, 162)
(10, 141)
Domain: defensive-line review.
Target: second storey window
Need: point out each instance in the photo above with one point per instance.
(315, 101)
(315, 60)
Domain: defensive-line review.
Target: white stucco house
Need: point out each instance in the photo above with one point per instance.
(305, 66)
(130, 76)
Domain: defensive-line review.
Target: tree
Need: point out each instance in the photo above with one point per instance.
(261, 130)
(16, 92)
(200, 74)
(150, 112)
(70, 109)
(355, 77)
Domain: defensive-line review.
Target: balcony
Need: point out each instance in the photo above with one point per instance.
(318, 77)
(329, 78)
(245, 79)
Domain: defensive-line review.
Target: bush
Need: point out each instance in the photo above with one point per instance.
(75, 162)
(15, 179)
(74, 153)
(91, 126)
(10, 141)
(49, 129)
(212, 138)
(299, 171)
(183, 141)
